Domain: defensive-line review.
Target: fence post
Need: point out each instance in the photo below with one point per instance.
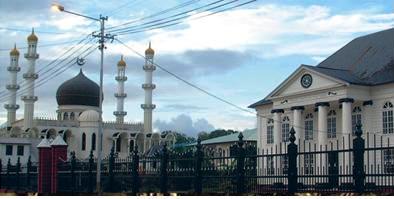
(18, 168)
(240, 166)
(163, 170)
(73, 165)
(28, 171)
(111, 169)
(134, 172)
(8, 173)
(292, 170)
(358, 158)
(91, 162)
(198, 173)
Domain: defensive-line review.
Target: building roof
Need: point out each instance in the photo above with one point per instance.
(249, 135)
(367, 60)
(79, 90)
(10, 140)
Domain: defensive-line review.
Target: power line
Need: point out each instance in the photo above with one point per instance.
(45, 45)
(213, 95)
(156, 14)
(26, 30)
(152, 27)
(22, 82)
(172, 16)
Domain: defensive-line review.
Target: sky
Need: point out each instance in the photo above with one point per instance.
(239, 55)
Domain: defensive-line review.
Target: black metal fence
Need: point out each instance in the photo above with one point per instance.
(22, 178)
(360, 163)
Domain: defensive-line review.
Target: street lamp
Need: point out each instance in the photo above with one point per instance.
(102, 37)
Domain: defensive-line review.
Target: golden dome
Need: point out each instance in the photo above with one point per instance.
(121, 62)
(14, 52)
(32, 37)
(149, 51)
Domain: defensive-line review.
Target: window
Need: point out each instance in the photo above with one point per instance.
(388, 157)
(309, 127)
(65, 116)
(308, 163)
(285, 129)
(93, 141)
(19, 150)
(356, 118)
(83, 141)
(8, 150)
(72, 116)
(332, 124)
(270, 165)
(270, 131)
(388, 118)
(118, 144)
(131, 146)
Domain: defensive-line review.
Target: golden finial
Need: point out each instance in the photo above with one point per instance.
(14, 52)
(121, 62)
(32, 37)
(149, 51)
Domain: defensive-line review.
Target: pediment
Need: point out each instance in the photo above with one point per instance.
(293, 84)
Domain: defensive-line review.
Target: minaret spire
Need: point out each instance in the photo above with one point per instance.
(120, 95)
(148, 107)
(13, 86)
(30, 76)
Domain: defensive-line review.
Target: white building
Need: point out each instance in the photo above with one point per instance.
(324, 102)
(77, 114)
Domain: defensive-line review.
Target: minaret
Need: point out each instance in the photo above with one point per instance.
(12, 87)
(120, 95)
(148, 87)
(30, 76)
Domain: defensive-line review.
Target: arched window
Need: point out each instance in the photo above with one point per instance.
(309, 126)
(131, 148)
(388, 118)
(270, 131)
(118, 144)
(332, 124)
(72, 116)
(83, 141)
(93, 141)
(65, 116)
(59, 116)
(285, 129)
(356, 118)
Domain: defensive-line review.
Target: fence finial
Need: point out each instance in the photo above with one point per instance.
(359, 131)
(240, 140)
(292, 135)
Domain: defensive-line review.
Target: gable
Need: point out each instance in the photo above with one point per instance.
(292, 85)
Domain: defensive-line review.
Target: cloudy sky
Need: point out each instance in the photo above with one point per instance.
(239, 55)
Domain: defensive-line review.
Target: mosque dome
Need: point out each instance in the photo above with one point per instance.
(78, 90)
(89, 116)
(32, 37)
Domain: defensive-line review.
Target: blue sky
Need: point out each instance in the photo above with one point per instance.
(239, 55)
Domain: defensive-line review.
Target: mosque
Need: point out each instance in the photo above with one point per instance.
(77, 114)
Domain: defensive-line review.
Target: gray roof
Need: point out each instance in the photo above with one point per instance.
(249, 135)
(10, 140)
(366, 60)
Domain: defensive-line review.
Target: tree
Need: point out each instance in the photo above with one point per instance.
(216, 133)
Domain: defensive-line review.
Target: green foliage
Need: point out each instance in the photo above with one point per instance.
(216, 133)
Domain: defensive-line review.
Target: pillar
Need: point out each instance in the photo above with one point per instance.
(346, 119)
(277, 127)
(44, 167)
(12, 87)
(120, 95)
(322, 123)
(297, 122)
(59, 154)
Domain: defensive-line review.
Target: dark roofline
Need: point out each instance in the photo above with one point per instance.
(260, 103)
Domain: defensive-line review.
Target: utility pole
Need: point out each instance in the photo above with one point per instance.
(102, 38)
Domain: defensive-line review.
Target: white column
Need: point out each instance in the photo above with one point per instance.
(12, 87)
(322, 124)
(297, 122)
(277, 124)
(367, 120)
(120, 95)
(148, 86)
(346, 119)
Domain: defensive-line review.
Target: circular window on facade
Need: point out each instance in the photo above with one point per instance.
(306, 80)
